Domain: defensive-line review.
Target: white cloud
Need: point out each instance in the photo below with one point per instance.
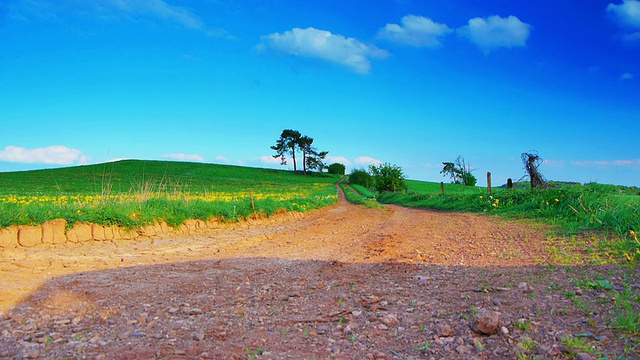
(627, 76)
(607, 163)
(270, 160)
(339, 159)
(183, 157)
(496, 32)
(324, 45)
(627, 14)
(222, 159)
(366, 160)
(415, 31)
(54, 155)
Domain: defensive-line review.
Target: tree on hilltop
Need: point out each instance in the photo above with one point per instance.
(290, 142)
(286, 145)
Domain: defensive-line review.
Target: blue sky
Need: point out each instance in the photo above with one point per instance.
(413, 83)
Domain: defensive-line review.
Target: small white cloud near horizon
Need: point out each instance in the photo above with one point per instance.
(324, 45)
(627, 76)
(184, 157)
(270, 160)
(339, 159)
(496, 32)
(416, 31)
(222, 159)
(52, 155)
(554, 163)
(607, 163)
(367, 160)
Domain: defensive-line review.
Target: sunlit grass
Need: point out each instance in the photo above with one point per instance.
(157, 191)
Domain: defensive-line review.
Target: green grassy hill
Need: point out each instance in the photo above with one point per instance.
(136, 192)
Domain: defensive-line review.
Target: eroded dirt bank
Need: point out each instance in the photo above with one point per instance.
(344, 282)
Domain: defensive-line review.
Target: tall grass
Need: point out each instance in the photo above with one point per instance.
(133, 193)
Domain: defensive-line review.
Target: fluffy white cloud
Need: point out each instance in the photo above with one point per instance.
(183, 157)
(496, 32)
(54, 155)
(270, 160)
(626, 14)
(324, 45)
(338, 159)
(366, 160)
(415, 31)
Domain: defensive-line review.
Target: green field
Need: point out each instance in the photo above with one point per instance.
(132, 193)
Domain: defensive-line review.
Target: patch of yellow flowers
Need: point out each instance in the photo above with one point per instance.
(272, 193)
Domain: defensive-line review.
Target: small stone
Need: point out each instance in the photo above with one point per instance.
(504, 330)
(172, 310)
(198, 336)
(444, 330)
(486, 322)
(496, 302)
(347, 330)
(379, 355)
(322, 330)
(391, 320)
(356, 313)
(195, 311)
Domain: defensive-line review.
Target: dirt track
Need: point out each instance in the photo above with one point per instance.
(344, 282)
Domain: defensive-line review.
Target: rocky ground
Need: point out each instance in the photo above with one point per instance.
(344, 282)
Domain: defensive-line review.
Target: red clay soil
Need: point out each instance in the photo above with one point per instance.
(344, 282)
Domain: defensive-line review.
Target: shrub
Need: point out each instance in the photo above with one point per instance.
(337, 169)
(388, 178)
(360, 177)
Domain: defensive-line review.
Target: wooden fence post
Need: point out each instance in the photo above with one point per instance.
(489, 182)
(253, 204)
(442, 187)
(509, 183)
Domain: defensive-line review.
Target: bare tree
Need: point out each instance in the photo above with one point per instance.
(532, 161)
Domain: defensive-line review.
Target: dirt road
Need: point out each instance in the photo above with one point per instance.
(344, 282)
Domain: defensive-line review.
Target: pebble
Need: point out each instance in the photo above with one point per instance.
(390, 320)
(504, 330)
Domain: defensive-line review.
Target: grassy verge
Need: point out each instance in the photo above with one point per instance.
(134, 193)
(365, 198)
(613, 212)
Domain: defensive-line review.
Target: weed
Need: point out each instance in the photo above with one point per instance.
(305, 333)
(478, 345)
(627, 317)
(579, 343)
(527, 343)
(523, 324)
(252, 353)
(424, 347)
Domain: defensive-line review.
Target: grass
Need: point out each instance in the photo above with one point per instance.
(360, 196)
(133, 193)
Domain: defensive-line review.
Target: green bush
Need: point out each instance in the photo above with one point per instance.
(360, 177)
(337, 169)
(387, 178)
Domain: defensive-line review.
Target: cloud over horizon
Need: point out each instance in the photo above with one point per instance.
(416, 31)
(184, 157)
(496, 32)
(367, 160)
(51, 155)
(323, 45)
